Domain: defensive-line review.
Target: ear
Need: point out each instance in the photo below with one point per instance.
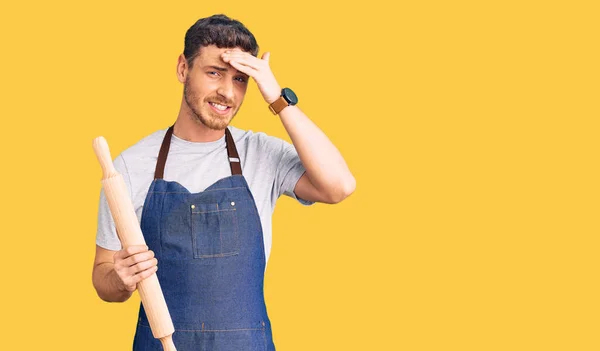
(182, 68)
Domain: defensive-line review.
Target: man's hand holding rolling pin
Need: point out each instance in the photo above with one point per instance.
(131, 265)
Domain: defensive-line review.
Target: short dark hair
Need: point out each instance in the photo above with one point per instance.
(218, 30)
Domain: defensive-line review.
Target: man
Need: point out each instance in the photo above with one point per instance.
(204, 192)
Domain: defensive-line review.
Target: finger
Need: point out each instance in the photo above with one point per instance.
(131, 260)
(243, 68)
(244, 61)
(130, 250)
(235, 54)
(142, 266)
(240, 54)
(145, 274)
(266, 56)
(236, 50)
(139, 257)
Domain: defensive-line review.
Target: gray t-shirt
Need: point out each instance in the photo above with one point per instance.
(271, 167)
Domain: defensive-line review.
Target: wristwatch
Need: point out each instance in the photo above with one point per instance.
(287, 98)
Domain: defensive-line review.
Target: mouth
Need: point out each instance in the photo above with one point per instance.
(220, 109)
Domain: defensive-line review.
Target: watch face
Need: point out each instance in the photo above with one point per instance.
(289, 96)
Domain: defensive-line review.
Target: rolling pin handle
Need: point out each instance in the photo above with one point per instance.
(167, 343)
(103, 154)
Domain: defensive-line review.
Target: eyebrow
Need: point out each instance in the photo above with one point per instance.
(219, 68)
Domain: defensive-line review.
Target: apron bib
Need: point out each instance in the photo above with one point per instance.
(211, 258)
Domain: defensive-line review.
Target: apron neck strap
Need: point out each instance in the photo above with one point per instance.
(232, 154)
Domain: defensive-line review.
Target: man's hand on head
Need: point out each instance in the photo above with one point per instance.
(258, 69)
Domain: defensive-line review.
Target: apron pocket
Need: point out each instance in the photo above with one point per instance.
(243, 339)
(247, 340)
(215, 230)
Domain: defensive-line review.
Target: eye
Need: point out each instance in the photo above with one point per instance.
(212, 73)
(241, 79)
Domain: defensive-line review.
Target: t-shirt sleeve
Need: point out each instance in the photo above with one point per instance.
(106, 235)
(289, 170)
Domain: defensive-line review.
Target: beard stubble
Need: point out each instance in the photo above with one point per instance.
(212, 120)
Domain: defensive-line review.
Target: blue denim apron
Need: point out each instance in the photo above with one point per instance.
(211, 260)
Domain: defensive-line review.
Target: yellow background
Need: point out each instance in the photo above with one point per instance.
(470, 126)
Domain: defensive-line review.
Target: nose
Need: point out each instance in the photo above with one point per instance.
(226, 89)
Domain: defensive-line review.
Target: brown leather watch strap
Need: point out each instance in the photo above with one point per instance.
(278, 105)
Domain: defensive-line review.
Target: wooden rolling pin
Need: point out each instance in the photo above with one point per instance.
(129, 232)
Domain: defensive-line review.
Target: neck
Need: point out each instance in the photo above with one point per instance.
(189, 129)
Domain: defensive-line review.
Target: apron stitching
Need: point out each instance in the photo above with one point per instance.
(205, 191)
(237, 234)
(220, 234)
(216, 330)
(264, 334)
(194, 240)
(212, 211)
(210, 330)
(220, 255)
(160, 223)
